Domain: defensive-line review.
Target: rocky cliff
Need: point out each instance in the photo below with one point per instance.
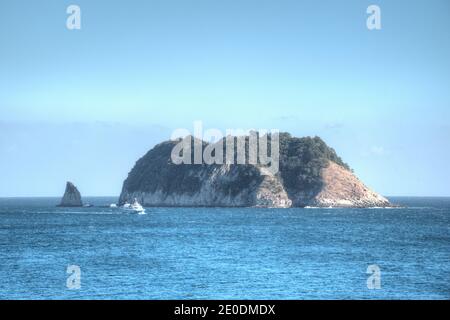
(310, 174)
(72, 197)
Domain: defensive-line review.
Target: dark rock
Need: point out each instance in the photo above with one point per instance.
(72, 197)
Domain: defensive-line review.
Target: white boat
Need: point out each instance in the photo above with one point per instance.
(135, 206)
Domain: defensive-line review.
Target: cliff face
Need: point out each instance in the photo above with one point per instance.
(310, 174)
(72, 197)
(343, 189)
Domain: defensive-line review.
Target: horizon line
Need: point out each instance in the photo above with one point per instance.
(103, 196)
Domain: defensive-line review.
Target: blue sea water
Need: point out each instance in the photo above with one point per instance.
(224, 253)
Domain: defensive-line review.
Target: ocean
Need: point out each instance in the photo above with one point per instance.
(224, 253)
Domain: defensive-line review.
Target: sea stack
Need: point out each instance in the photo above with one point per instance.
(72, 197)
(310, 174)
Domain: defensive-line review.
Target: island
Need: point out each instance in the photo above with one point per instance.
(310, 174)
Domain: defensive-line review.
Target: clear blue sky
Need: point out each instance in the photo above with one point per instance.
(83, 105)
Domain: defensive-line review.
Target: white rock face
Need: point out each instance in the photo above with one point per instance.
(269, 193)
(341, 188)
(72, 197)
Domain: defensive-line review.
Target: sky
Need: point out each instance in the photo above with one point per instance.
(84, 105)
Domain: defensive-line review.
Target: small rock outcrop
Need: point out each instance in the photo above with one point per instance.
(72, 197)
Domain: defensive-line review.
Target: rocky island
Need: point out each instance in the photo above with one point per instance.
(72, 197)
(310, 174)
